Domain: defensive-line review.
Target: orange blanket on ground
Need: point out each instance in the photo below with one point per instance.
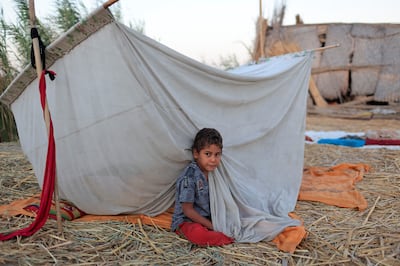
(331, 185)
(334, 185)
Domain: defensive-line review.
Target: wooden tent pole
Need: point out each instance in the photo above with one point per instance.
(109, 3)
(39, 69)
(316, 95)
(325, 47)
(35, 41)
(261, 32)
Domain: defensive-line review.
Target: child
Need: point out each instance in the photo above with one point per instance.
(192, 215)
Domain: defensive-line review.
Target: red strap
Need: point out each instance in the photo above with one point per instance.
(48, 181)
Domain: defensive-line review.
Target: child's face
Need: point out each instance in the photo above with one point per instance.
(208, 158)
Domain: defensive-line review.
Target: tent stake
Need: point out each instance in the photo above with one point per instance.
(39, 69)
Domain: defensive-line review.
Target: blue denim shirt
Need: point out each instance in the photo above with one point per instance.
(191, 186)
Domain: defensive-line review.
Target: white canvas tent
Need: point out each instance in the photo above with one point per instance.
(125, 110)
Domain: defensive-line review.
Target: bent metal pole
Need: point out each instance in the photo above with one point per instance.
(39, 69)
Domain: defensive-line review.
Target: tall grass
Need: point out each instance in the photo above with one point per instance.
(8, 131)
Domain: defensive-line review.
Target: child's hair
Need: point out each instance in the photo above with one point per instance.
(206, 137)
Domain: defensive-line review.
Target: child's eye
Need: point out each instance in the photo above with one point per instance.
(208, 154)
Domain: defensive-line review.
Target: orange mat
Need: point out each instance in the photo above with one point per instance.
(17, 208)
(331, 185)
(163, 220)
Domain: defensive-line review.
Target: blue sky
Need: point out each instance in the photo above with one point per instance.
(209, 29)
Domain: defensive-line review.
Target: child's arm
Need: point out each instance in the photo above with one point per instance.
(193, 215)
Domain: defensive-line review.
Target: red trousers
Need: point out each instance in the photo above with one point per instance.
(200, 235)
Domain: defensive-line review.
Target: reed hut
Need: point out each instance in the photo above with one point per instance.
(365, 64)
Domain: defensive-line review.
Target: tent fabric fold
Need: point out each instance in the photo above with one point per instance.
(125, 110)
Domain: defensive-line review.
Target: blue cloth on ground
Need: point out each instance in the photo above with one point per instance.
(343, 142)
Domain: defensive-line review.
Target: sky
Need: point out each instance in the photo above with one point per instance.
(208, 30)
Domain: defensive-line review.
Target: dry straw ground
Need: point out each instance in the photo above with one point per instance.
(337, 236)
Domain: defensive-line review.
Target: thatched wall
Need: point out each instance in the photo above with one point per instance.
(366, 63)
